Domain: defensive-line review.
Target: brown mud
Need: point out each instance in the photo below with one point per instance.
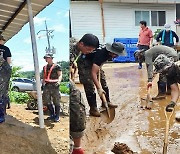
(142, 130)
(20, 133)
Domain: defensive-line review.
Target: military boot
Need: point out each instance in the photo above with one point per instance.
(51, 112)
(57, 113)
(94, 112)
(161, 91)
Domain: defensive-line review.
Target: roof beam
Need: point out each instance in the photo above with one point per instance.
(15, 14)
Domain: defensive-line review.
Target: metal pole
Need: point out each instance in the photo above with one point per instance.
(49, 47)
(36, 64)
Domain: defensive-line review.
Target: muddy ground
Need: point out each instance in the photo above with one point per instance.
(142, 130)
(20, 134)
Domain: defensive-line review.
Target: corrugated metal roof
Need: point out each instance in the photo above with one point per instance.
(14, 15)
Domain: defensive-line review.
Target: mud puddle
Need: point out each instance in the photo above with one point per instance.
(142, 130)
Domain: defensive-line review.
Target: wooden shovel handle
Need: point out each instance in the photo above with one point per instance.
(168, 118)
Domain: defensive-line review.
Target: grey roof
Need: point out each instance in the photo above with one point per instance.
(14, 15)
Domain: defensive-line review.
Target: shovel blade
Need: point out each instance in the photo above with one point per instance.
(107, 118)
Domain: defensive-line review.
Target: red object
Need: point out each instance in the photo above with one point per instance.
(149, 85)
(45, 108)
(78, 151)
(145, 36)
(47, 76)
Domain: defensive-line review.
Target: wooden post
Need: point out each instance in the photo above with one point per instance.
(102, 18)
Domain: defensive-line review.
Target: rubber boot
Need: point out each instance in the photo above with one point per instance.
(57, 113)
(94, 112)
(161, 91)
(51, 112)
(108, 99)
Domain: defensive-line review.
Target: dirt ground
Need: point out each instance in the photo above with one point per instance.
(20, 134)
(142, 130)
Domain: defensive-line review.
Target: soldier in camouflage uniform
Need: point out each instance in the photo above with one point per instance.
(5, 74)
(77, 118)
(52, 76)
(88, 68)
(149, 56)
(171, 69)
(77, 108)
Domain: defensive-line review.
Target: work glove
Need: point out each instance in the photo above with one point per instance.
(170, 106)
(149, 85)
(101, 92)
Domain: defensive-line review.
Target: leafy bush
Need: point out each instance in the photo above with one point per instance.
(64, 87)
(19, 97)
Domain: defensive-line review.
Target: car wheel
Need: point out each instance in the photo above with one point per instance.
(15, 89)
(32, 104)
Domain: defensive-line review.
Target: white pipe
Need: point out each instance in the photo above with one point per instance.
(36, 64)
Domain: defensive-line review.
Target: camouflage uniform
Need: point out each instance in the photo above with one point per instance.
(173, 75)
(5, 74)
(51, 90)
(74, 53)
(150, 56)
(77, 112)
(85, 77)
(77, 107)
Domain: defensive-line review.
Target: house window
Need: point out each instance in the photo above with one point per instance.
(141, 15)
(158, 18)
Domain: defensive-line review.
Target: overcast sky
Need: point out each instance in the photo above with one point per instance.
(57, 18)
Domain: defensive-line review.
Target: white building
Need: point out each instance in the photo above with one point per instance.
(109, 19)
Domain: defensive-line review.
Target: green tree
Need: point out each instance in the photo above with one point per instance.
(16, 72)
(65, 70)
(28, 74)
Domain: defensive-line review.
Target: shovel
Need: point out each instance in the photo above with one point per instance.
(168, 116)
(107, 114)
(147, 102)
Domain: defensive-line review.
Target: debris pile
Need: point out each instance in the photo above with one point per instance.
(121, 148)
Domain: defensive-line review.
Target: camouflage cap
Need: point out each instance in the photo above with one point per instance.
(162, 62)
(73, 40)
(48, 56)
(139, 55)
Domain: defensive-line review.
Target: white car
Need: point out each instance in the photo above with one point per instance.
(23, 84)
